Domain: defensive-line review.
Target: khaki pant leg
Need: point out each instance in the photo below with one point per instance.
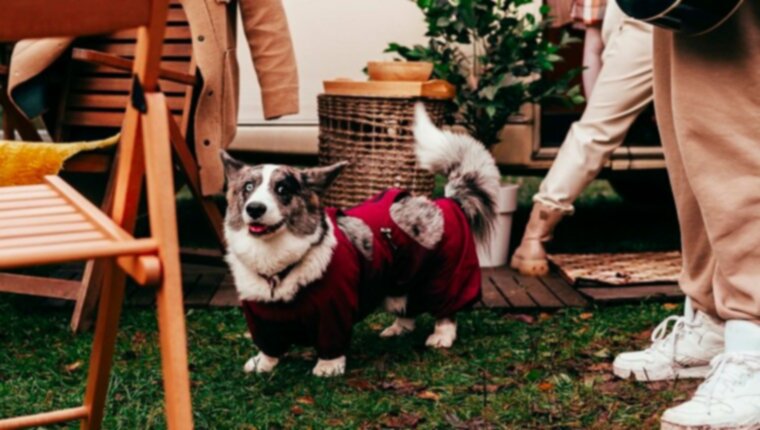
(715, 104)
(698, 261)
(622, 91)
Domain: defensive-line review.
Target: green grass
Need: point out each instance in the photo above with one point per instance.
(536, 371)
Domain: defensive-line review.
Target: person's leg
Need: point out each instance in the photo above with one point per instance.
(715, 100)
(696, 338)
(623, 90)
(592, 58)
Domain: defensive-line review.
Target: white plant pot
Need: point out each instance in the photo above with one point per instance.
(494, 252)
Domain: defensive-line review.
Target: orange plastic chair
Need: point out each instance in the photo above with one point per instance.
(52, 223)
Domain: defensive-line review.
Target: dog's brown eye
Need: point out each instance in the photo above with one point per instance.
(280, 190)
(248, 187)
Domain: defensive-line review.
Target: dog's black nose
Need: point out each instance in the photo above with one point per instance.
(255, 209)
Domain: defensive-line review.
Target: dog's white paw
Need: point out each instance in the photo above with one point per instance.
(396, 305)
(444, 335)
(328, 368)
(399, 327)
(261, 363)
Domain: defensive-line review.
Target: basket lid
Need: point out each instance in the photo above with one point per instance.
(434, 89)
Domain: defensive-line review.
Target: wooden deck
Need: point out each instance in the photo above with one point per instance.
(211, 285)
(208, 283)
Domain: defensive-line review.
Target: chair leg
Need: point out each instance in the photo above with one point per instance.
(171, 308)
(189, 167)
(89, 290)
(87, 296)
(104, 342)
(8, 133)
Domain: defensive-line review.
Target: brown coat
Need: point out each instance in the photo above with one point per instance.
(212, 24)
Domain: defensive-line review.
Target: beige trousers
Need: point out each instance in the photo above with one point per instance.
(623, 89)
(707, 95)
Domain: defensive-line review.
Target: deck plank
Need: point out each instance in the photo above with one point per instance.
(538, 291)
(633, 294)
(491, 296)
(515, 293)
(226, 295)
(568, 295)
(207, 283)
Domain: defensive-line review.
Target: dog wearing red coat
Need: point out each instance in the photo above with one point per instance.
(305, 274)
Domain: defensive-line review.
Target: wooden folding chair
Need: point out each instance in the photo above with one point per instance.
(52, 223)
(98, 84)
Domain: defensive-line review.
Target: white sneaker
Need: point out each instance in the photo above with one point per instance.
(728, 399)
(684, 352)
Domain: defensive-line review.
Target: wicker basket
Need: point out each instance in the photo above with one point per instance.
(375, 135)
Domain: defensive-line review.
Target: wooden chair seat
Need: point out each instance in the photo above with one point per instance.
(52, 223)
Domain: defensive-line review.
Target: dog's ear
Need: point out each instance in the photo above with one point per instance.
(231, 166)
(319, 179)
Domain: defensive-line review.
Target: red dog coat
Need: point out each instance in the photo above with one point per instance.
(441, 281)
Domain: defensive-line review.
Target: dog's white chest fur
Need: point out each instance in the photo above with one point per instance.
(250, 257)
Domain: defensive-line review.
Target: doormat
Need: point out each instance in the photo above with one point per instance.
(639, 268)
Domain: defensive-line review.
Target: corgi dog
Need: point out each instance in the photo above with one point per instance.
(305, 274)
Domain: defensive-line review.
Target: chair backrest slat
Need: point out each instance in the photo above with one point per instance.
(29, 19)
(98, 94)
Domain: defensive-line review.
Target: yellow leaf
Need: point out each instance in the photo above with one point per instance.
(546, 386)
(587, 316)
(670, 306)
(305, 400)
(429, 395)
(73, 366)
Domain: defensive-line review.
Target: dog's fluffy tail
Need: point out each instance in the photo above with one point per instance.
(473, 178)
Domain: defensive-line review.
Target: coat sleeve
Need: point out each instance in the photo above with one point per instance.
(266, 30)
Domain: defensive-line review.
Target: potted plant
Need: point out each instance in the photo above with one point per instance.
(495, 54)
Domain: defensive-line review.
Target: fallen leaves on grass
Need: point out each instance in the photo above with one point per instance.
(296, 410)
(489, 388)
(402, 421)
(73, 366)
(586, 316)
(644, 335)
(477, 423)
(360, 384)
(524, 318)
(546, 386)
(305, 400)
(670, 306)
(602, 353)
(429, 395)
(402, 386)
(600, 367)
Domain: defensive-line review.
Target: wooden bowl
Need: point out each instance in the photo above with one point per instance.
(415, 71)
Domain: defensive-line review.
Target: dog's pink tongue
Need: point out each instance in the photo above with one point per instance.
(257, 228)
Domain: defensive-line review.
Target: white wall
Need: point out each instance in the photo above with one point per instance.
(332, 38)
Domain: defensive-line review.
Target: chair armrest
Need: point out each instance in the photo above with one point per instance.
(120, 63)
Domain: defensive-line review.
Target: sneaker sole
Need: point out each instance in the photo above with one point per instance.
(662, 375)
(670, 426)
(530, 267)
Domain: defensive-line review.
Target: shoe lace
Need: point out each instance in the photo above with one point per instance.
(728, 371)
(664, 338)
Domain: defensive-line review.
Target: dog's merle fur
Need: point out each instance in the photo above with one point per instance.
(294, 232)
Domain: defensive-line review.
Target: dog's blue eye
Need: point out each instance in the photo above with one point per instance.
(248, 187)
